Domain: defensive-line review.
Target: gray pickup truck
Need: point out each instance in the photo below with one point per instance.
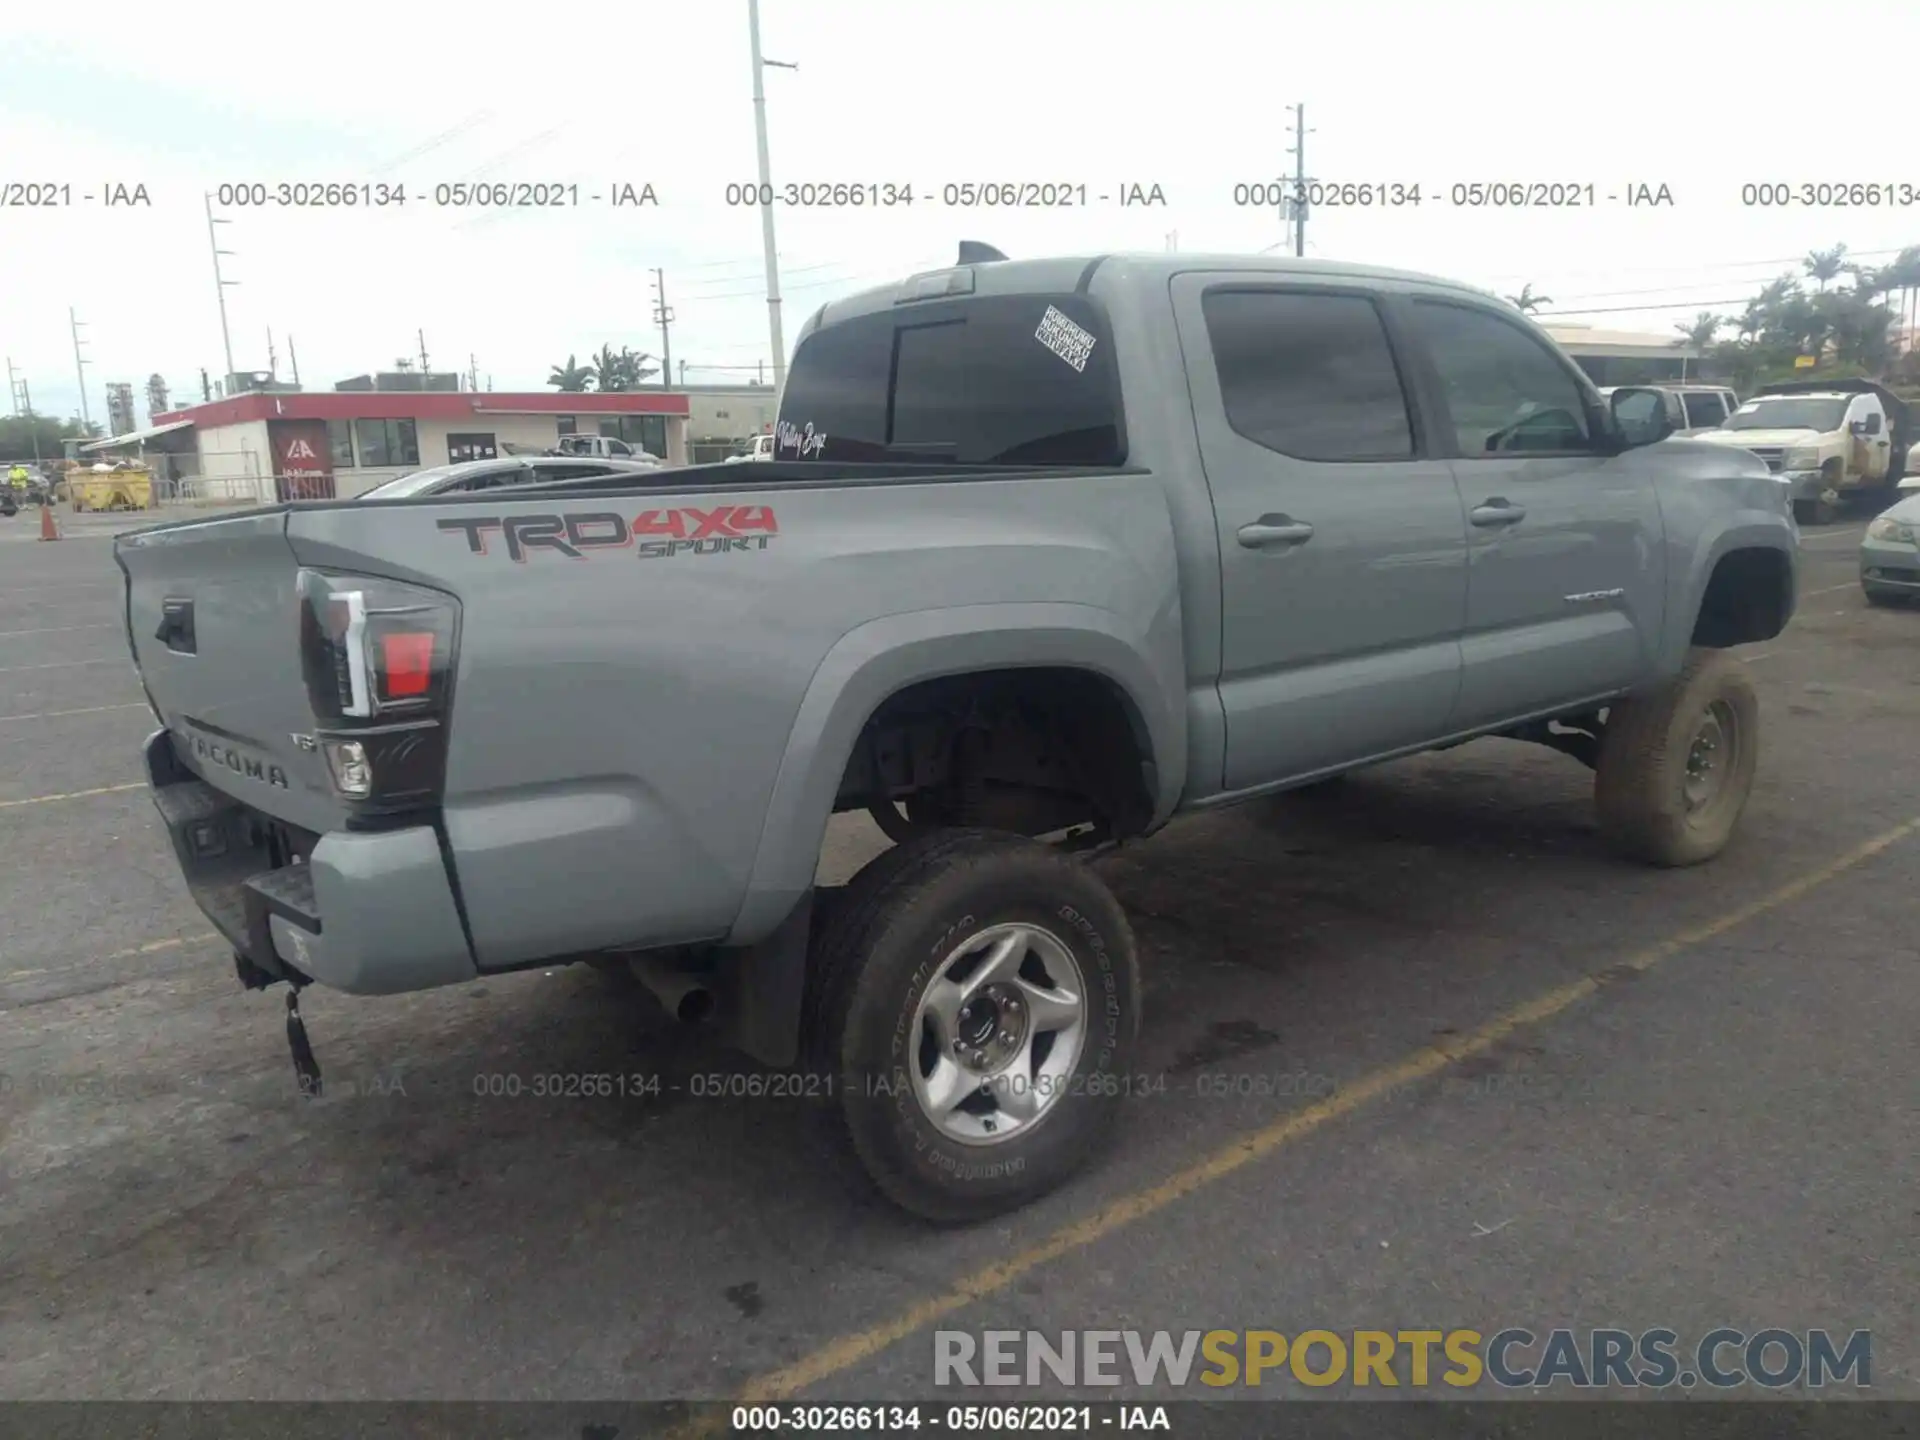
(1052, 551)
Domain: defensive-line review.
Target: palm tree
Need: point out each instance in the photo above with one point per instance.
(624, 370)
(1526, 302)
(1903, 274)
(571, 376)
(1824, 265)
(609, 371)
(1700, 334)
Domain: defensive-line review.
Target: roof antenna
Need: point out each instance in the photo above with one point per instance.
(972, 252)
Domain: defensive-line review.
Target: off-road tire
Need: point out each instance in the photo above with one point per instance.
(893, 924)
(1638, 786)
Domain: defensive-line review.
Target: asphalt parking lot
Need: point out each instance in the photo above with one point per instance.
(1431, 1058)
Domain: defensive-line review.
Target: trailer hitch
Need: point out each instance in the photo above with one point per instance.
(306, 1068)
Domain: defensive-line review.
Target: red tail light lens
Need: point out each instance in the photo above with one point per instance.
(406, 664)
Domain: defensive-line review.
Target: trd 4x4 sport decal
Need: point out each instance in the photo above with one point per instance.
(652, 534)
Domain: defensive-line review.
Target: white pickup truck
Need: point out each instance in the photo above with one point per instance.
(1827, 439)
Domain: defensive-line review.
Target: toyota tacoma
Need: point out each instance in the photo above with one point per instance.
(1050, 552)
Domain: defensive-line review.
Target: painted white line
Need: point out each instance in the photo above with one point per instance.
(83, 710)
(66, 664)
(60, 629)
(1830, 589)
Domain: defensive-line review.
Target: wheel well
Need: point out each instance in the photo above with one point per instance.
(1747, 599)
(1033, 750)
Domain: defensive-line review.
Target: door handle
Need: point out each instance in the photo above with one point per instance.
(1274, 530)
(1497, 511)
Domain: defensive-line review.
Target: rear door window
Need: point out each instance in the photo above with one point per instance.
(1309, 375)
(993, 380)
(1705, 409)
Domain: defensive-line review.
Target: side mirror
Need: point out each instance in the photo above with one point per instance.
(1640, 415)
(1857, 427)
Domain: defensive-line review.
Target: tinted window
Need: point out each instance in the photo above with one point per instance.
(1000, 380)
(1309, 375)
(1704, 411)
(386, 442)
(1505, 391)
(340, 443)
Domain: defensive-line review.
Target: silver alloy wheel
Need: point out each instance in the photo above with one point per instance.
(998, 1031)
(1712, 756)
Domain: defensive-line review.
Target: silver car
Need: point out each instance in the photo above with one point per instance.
(471, 475)
(1890, 555)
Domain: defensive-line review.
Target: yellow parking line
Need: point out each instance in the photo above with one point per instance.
(849, 1350)
(60, 629)
(73, 795)
(66, 664)
(152, 947)
(83, 710)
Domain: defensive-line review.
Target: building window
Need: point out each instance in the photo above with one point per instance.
(462, 448)
(645, 432)
(567, 424)
(340, 442)
(387, 442)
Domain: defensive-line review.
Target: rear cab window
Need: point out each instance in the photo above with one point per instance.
(1022, 380)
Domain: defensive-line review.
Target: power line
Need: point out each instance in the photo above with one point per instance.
(1636, 309)
(1710, 265)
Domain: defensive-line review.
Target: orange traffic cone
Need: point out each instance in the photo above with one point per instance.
(48, 530)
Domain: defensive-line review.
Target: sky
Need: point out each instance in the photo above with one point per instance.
(1194, 98)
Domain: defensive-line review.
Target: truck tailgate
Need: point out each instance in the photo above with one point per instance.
(213, 616)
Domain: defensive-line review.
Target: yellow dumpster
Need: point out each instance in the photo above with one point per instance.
(125, 489)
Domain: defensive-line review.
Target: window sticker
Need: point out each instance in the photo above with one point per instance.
(1064, 338)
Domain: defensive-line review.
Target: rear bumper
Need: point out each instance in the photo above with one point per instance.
(369, 913)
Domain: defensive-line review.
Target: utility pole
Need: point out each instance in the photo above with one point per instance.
(13, 389)
(423, 351)
(766, 182)
(473, 372)
(293, 359)
(206, 387)
(80, 371)
(220, 282)
(663, 317)
(683, 374)
(33, 428)
(1300, 133)
(273, 360)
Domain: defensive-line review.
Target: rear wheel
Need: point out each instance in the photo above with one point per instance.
(1676, 764)
(974, 997)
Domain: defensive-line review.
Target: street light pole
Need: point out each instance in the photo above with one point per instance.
(766, 198)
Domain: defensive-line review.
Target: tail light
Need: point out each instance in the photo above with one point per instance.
(378, 660)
